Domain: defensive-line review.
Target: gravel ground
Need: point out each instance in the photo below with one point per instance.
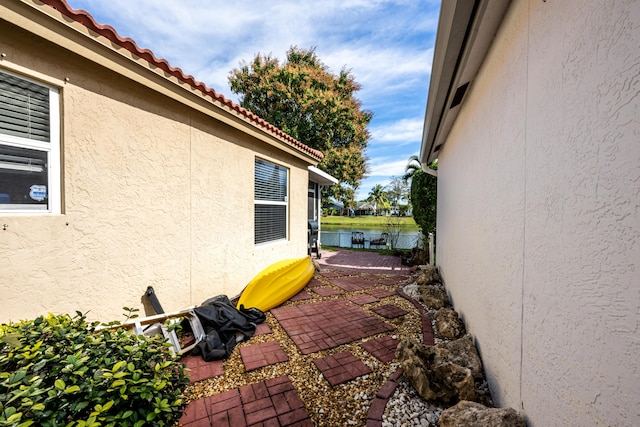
(345, 404)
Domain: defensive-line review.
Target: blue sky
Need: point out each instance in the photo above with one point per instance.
(386, 44)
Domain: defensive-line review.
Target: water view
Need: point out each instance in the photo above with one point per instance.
(335, 235)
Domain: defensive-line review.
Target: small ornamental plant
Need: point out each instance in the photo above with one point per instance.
(59, 371)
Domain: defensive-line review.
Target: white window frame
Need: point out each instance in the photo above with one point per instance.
(52, 148)
(284, 203)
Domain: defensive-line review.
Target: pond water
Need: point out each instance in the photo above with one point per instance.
(340, 236)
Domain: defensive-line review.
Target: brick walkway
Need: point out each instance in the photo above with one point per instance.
(341, 367)
(343, 304)
(362, 261)
(323, 325)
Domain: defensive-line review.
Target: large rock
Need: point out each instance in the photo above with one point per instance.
(435, 372)
(416, 361)
(467, 413)
(433, 296)
(457, 382)
(427, 274)
(462, 352)
(448, 324)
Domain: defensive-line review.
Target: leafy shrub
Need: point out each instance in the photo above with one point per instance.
(424, 196)
(60, 371)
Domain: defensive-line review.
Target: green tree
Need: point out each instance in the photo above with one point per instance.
(397, 190)
(424, 196)
(304, 99)
(378, 196)
(412, 167)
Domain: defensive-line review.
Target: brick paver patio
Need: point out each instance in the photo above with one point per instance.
(200, 369)
(258, 355)
(327, 324)
(326, 291)
(353, 283)
(362, 299)
(389, 311)
(272, 402)
(383, 348)
(313, 325)
(379, 292)
(341, 367)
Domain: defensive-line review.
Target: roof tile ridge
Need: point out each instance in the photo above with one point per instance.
(83, 17)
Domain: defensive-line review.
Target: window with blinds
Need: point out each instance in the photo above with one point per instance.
(24, 108)
(29, 146)
(270, 201)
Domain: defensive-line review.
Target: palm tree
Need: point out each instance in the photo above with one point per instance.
(412, 167)
(378, 196)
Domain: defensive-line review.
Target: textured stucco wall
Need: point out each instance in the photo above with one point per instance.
(154, 194)
(539, 212)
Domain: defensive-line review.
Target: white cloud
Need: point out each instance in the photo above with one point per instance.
(350, 33)
(400, 132)
(384, 166)
(386, 44)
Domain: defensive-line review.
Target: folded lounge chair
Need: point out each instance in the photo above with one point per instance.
(357, 238)
(382, 241)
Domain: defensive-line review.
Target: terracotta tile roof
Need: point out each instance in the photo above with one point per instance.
(85, 18)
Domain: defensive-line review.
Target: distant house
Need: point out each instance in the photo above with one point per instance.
(534, 116)
(365, 208)
(118, 172)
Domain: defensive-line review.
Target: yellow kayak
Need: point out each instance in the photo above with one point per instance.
(277, 283)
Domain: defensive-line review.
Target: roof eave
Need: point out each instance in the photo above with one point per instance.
(466, 30)
(321, 177)
(76, 31)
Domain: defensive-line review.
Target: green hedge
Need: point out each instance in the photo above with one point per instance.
(424, 196)
(60, 371)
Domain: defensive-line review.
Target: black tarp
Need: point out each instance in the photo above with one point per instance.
(224, 327)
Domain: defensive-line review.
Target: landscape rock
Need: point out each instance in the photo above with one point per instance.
(435, 372)
(457, 381)
(427, 274)
(448, 324)
(433, 296)
(416, 360)
(461, 352)
(467, 413)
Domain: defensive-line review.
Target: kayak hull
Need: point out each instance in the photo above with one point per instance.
(277, 283)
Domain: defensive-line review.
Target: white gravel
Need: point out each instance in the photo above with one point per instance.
(406, 408)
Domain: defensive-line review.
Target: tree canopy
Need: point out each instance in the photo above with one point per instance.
(378, 196)
(304, 99)
(398, 189)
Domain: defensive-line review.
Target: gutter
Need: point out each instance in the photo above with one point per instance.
(466, 30)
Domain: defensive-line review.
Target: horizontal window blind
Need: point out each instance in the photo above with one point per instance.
(270, 181)
(24, 108)
(270, 194)
(271, 223)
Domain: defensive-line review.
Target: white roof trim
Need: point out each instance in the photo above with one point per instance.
(465, 32)
(321, 177)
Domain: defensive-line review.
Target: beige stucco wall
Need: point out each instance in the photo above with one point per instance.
(539, 212)
(154, 194)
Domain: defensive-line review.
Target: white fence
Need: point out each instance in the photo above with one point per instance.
(406, 240)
